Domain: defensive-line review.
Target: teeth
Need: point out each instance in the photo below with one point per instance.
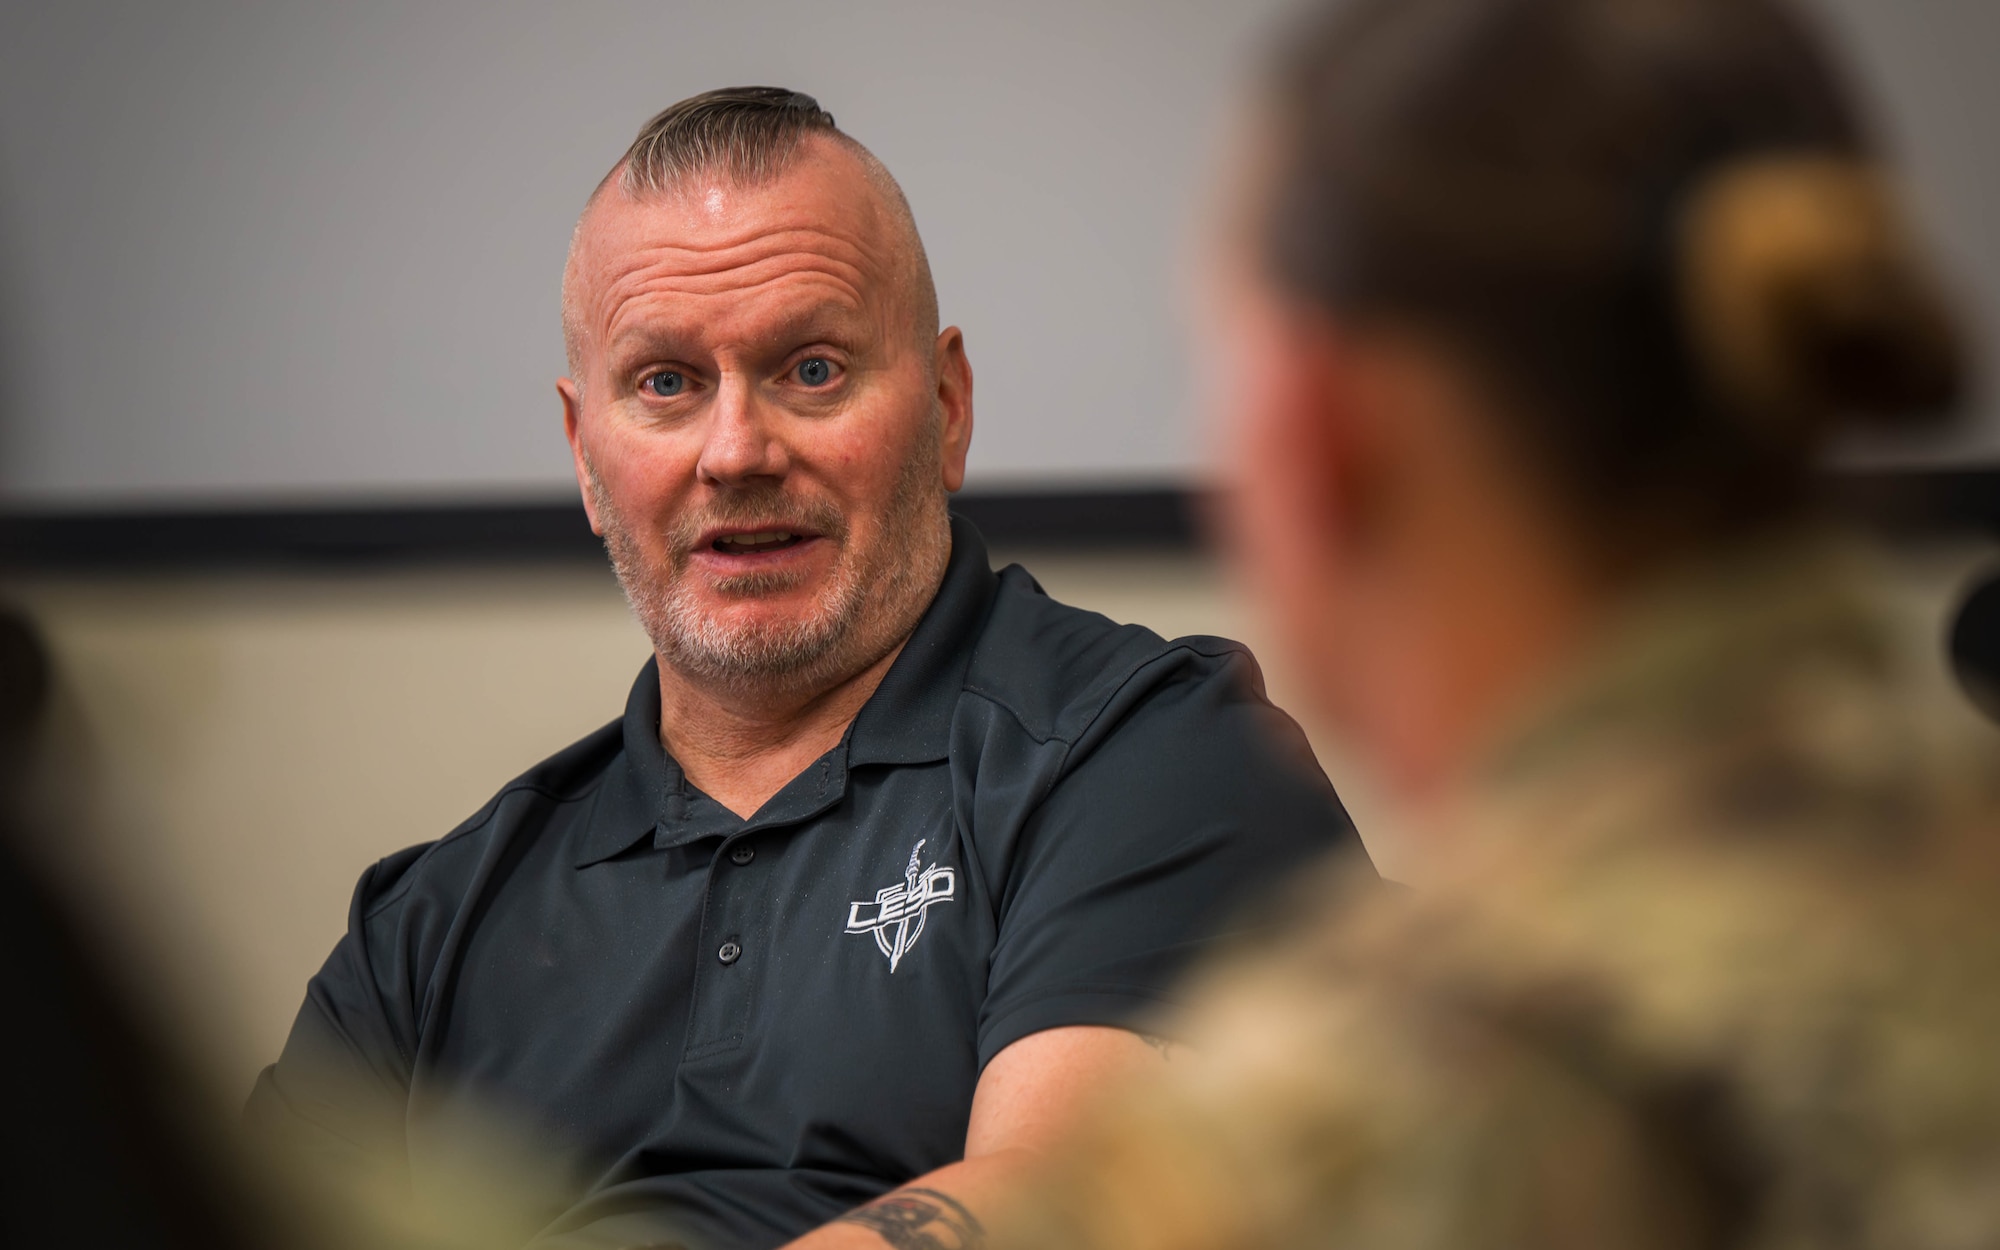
(764, 538)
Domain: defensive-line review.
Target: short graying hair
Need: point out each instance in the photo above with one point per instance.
(749, 135)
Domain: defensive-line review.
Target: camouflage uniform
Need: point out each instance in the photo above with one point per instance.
(1716, 962)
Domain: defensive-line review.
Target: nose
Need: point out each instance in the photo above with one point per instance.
(741, 446)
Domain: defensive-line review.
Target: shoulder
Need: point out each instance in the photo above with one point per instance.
(374, 989)
(1058, 670)
(447, 869)
(1127, 746)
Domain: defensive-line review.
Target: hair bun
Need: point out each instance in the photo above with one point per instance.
(1806, 301)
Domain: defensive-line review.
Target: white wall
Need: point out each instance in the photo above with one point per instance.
(312, 249)
(257, 249)
(1926, 68)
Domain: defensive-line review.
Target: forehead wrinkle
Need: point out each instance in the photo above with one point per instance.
(675, 306)
(698, 254)
(638, 279)
(641, 247)
(648, 279)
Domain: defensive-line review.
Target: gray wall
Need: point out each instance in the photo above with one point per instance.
(311, 250)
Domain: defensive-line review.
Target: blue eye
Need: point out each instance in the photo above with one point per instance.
(814, 372)
(665, 384)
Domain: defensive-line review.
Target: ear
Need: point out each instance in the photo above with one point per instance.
(954, 401)
(572, 404)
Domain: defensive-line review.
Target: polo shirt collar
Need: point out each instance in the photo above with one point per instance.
(632, 800)
(908, 718)
(906, 721)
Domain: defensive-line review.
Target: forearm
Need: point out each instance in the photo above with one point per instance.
(936, 1211)
(1027, 1098)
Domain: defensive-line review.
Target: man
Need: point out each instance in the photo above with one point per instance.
(888, 852)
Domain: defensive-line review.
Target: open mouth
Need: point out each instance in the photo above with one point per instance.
(760, 542)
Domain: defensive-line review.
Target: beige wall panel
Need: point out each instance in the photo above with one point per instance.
(233, 750)
(236, 749)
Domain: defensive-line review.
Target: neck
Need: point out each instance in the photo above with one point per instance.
(742, 742)
(741, 746)
(1468, 655)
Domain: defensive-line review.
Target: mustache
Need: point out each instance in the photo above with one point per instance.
(768, 508)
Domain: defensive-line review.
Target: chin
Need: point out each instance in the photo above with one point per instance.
(763, 613)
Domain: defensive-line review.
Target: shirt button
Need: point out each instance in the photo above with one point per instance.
(729, 953)
(742, 855)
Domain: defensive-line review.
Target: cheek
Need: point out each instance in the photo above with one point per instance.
(1270, 486)
(862, 456)
(1277, 516)
(1270, 541)
(648, 476)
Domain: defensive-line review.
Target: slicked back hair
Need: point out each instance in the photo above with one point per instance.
(748, 133)
(750, 136)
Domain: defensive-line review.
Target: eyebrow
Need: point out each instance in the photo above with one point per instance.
(826, 320)
(830, 319)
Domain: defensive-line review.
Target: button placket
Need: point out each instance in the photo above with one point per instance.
(734, 918)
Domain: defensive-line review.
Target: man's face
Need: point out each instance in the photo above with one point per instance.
(764, 434)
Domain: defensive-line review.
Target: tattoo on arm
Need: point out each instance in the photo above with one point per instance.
(919, 1219)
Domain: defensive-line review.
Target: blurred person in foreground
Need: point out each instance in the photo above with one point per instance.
(888, 853)
(1537, 315)
(106, 1138)
(98, 1143)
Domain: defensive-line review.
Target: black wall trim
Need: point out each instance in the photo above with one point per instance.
(1902, 503)
(172, 540)
(488, 533)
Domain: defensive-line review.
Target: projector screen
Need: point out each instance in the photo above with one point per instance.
(278, 253)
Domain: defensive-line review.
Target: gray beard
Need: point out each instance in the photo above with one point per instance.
(865, 611)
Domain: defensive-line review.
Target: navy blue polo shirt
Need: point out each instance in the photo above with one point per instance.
(732, 1030)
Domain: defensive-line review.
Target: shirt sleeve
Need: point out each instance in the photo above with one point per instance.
(1185, 805)
(339, 1091)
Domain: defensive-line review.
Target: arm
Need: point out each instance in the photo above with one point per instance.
(1181, 801)
(336, 1097)
(1028, 1095)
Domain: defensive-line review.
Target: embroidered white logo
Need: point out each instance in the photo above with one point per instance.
(896, 917)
